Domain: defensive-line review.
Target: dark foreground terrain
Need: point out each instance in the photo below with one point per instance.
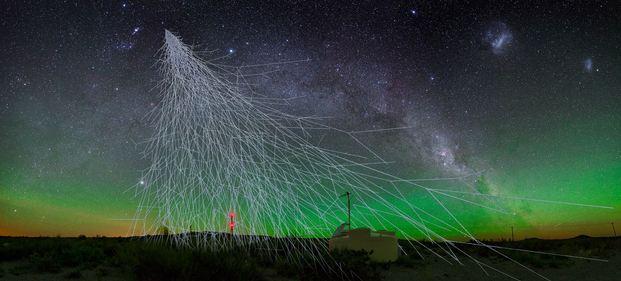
(141, 259)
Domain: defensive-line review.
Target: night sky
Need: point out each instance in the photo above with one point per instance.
(524, 95)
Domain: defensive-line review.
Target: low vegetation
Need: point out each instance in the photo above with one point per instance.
(138, 259)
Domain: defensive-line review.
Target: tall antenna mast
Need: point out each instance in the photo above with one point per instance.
(348, 208)
(348, 211)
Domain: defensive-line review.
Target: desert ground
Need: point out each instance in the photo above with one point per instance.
(142, 259)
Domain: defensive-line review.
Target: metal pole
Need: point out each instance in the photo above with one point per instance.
(348, 211)
(613, 229)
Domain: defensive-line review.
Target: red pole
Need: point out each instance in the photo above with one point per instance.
(231, 222)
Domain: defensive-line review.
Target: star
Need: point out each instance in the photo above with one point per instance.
(136, 30)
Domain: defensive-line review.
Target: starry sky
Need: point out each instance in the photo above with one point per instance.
(526, 96)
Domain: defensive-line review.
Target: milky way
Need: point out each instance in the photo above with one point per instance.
(523, 98)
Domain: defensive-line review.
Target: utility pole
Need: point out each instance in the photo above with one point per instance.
(512, 237)
(348, 209)
(613, 229)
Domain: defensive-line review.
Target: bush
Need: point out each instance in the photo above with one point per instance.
(167, 263)
(411, 261)
(10, 251)
(337, 265)
(45, 263)
(20, 269)
(81, 253)
(74, 274)
(101, 272)
(285, 268)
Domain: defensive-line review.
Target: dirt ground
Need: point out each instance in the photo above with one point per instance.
(440, 270)
(428, 270)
